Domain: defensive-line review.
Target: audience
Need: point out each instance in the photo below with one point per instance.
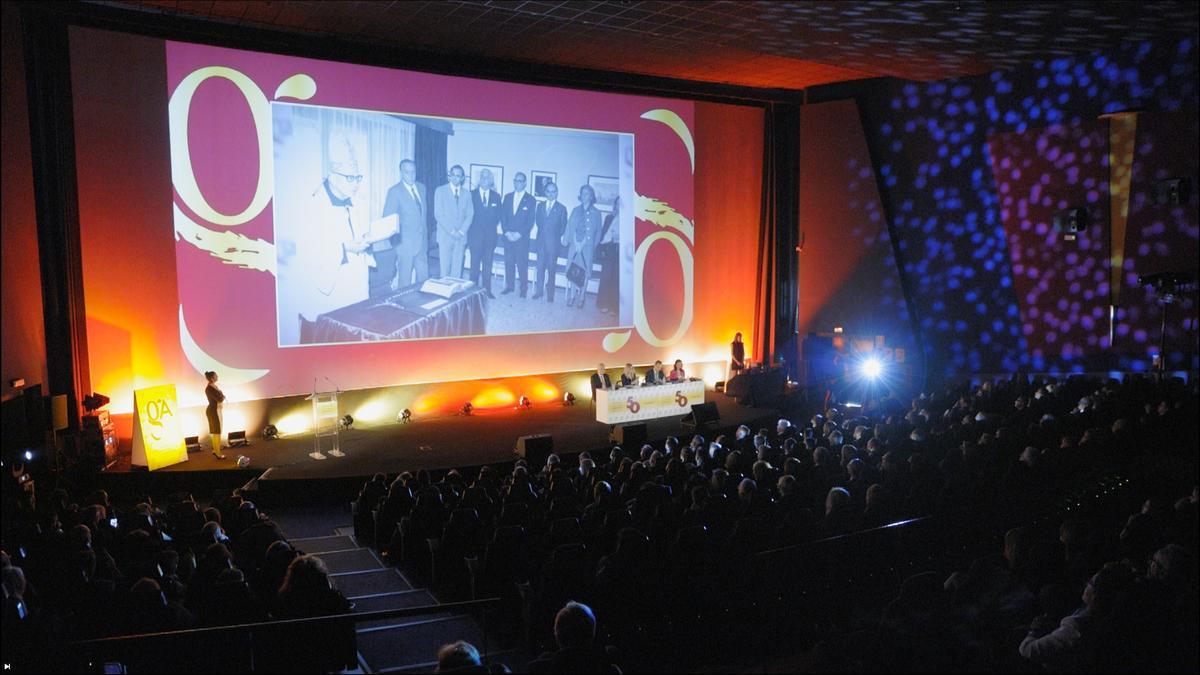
(667, 530)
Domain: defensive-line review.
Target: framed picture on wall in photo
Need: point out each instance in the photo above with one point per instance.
(606, 188)
(497, 176)
(540, 178)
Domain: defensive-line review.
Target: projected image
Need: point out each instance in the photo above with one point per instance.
(395, 227)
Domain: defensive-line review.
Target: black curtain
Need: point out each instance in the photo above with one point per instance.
(52, 136)
(429, 152)
(779, 235)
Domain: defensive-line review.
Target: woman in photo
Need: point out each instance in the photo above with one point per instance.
(583, 231)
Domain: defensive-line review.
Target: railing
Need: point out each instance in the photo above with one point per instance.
(313, 644)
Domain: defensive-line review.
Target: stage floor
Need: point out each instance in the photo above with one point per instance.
(487, 437)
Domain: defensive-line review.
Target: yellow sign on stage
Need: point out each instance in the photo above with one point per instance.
(157, 440)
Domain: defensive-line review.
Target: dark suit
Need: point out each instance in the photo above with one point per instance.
(652, 377)
(408, 250)
(481, 238)
(597, 384)
(516, 253)
(551, 226)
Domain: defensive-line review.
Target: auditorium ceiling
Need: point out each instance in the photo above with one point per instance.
(768, 44)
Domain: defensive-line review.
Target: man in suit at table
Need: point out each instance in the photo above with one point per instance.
(453, 211)
(516, 219)
(551, 221)
(486, 205)
(657, 374)
(600, 380)
(409, 201)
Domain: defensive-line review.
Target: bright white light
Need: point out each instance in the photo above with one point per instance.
(872, 368)
(28, 456)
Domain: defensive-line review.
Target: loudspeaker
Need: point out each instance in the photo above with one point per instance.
(1071, 222)
(58, 411)
(629, 435)
(702, 413)
(1173, 192)
(192, 443)
(238, 439)
(535, 449)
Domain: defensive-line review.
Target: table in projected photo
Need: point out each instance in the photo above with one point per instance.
(633, 404)
(406, 315)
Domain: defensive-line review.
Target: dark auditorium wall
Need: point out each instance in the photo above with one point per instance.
(930, 147)
(848, 274)
(24, 334)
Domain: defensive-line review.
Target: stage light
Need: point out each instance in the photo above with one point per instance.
(294, 423)
(270, 432)
(466, 408)
(838, 329)
(524, 402)
(568, 398)
(346, 422)
(238, 438)
(28, 455)
(95, 402)
(872, 368)
(243, 461)
(405, 416)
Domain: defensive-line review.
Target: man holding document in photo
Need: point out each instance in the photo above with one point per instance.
(336, 248)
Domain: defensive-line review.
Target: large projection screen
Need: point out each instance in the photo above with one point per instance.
(252, 213)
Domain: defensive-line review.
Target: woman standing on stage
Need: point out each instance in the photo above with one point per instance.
(216, 401)
(737, 355)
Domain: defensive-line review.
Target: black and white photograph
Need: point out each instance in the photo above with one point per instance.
(378, 240)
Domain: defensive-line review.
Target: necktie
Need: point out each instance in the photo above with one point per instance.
(413, 190)
(516, 202)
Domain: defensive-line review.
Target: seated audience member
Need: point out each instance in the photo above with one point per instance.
(459, 657)
(840, 517)
(307, 590)
(1077, 641)
(575, 633)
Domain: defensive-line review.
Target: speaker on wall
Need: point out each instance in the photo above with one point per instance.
(535, 449)
(1070, 222)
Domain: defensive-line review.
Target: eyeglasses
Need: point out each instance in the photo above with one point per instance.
(350, 179)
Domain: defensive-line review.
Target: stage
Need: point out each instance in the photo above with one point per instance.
(486, 437)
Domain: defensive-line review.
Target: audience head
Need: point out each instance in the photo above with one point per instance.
(838, 499)
(575, 626)
(455, 656)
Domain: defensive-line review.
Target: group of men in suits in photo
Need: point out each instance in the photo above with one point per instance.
(472, 218)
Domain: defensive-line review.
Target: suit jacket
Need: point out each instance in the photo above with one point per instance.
(485, 216)
(521, 221)
(596, 384)
(453, 216)
(413, 234)
(551, 225)
(653, 378)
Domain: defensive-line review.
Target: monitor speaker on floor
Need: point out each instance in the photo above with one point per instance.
(535, 449)
(702, 414)
(629, 435)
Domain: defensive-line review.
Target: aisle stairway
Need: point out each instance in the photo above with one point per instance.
(409, 644)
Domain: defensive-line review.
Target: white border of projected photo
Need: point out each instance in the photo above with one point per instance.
(382, 231)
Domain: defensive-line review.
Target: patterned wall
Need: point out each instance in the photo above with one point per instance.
(932, 149)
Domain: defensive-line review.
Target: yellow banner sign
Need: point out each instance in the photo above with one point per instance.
(157, 439)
